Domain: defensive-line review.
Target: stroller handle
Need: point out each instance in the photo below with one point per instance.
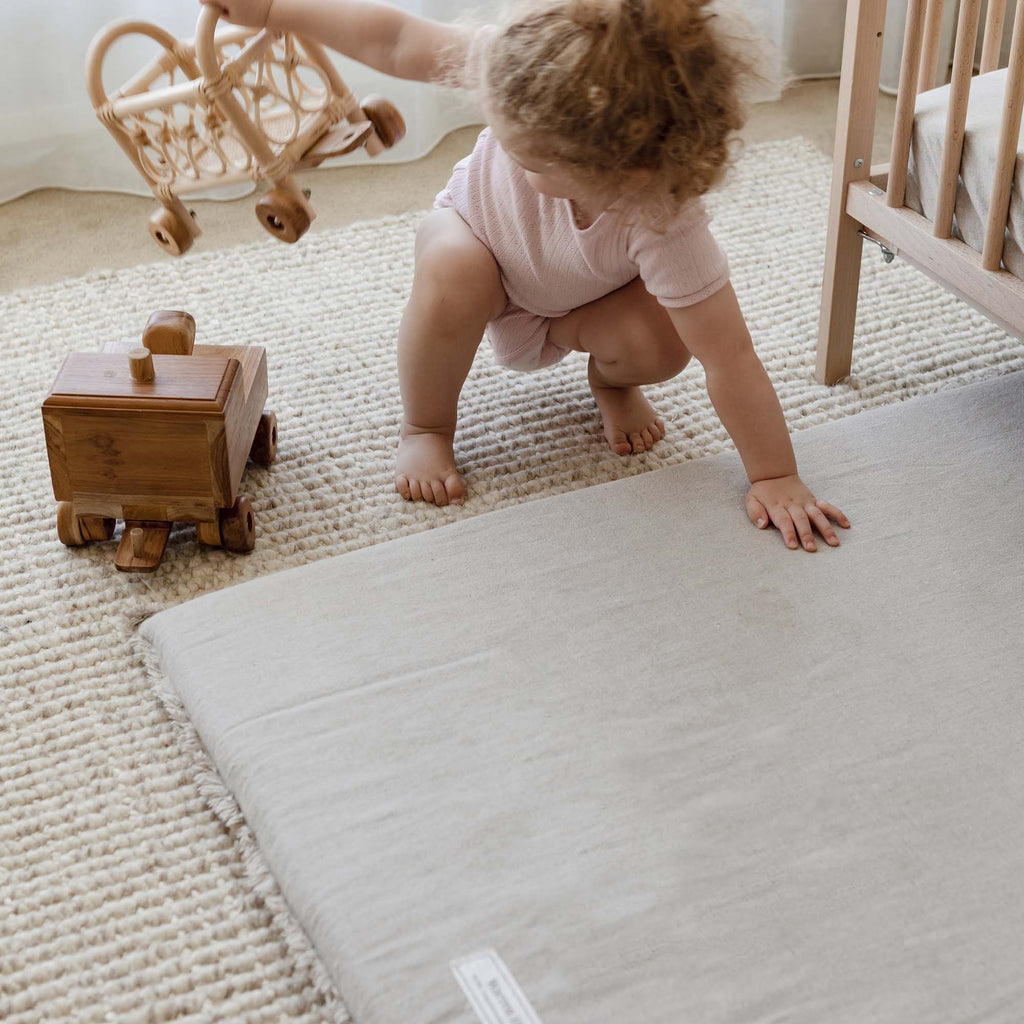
(102, 42)
(206, 47)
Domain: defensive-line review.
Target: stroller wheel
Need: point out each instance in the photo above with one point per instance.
(282, 216)
(169, 232)
(387, 121)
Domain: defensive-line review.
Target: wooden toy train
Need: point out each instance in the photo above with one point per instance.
(155, 435)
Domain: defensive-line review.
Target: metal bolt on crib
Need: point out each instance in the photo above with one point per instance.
(887, 254)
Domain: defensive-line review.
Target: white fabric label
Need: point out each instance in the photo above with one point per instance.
(492, 991)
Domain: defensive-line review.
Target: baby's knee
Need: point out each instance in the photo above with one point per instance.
(658, 351)
(457, 276)
(445, 294)
(450, 268)
(674, 357)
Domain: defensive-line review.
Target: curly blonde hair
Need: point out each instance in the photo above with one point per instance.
(609, 87)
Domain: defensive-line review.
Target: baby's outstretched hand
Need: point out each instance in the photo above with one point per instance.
(787, 502)
(244, 12)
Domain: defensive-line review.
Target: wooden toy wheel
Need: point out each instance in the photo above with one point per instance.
(169, 232)
(264, 444)
(68, 529)
(96, 527)
(282, 216)
(387, 121)
(238, 526)
(74, 531)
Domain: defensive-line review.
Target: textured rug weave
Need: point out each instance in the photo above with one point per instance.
(125, 895)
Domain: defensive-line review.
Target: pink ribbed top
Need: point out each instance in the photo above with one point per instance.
(550, 266)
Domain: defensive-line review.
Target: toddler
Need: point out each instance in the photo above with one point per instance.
(575, 224)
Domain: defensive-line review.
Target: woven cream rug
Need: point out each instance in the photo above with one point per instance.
(124, 897)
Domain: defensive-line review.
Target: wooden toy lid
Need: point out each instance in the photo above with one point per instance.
(88, 377)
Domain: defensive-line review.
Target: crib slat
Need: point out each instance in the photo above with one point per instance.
(905, 97)
(956, 115)
(1006, 159)
(993, 35)
(851, 162)
(928, 76)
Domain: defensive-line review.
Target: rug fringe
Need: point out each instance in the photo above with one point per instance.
(262, 884)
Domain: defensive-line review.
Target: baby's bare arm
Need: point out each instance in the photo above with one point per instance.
(715, 332)
(383, 37)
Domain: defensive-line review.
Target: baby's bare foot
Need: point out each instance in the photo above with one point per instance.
(426, 471)
(630, 422)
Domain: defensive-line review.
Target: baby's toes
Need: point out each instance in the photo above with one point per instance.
(402, 486)
(455, 489)
(427, 489)
(619, 442)
(636, 439)
(442, 495)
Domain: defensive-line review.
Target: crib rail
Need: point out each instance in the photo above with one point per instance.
(870, 201)
(956, 115)
(918, 66)
(993, 35)
(1006, 156)
(929, 72)
(906, 94)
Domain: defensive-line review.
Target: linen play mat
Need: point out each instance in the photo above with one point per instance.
(125, 896)
(611, 757)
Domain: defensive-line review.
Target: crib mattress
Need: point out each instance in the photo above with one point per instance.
(640, 763)
(977, 168)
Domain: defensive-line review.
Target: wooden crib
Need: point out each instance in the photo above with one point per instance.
(870, 202)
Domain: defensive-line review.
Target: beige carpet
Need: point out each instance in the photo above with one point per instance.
(124, 898)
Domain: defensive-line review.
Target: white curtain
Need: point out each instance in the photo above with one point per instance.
(813, 37)
(49, 135)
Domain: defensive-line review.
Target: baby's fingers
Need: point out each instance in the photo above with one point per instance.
(784, 522)
(821, 521)
(803, 526)
(756, 512)
(834, 513)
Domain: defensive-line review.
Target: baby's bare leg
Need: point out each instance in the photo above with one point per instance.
(456, 291)
(631, 341)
